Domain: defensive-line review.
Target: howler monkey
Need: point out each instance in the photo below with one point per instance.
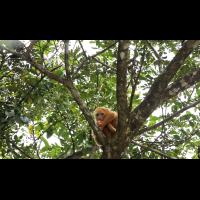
(107, 121)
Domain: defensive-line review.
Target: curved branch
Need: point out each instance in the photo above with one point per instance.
(100, 52)
(153, 150)
(10, 51)
(92, 57)
(169, 118)
(107, 66)
(18, 148)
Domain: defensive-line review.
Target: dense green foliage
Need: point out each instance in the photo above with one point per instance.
(35, 109)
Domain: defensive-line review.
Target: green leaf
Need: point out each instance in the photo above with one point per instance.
(173, 132)
(59, 72)
(191, 123)
(183, 132)
(176, 137)
(10, 113)
(198, 133)
(151, 123)
(49, 132)
(24, 120)
(14, 89)
(60, 132)
(80, 138)
(21, 120)
(88, 145)
(85, 151)
(193, 116)
(45, 142)
(198, 91)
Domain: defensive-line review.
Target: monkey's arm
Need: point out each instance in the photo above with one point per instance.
(110, 116)
(111, 128)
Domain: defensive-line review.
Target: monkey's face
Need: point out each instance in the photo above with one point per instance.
(100, 116)
(101, 113)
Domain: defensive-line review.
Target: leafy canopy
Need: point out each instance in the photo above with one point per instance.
(35, 108)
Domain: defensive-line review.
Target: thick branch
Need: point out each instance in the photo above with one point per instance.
(156, 92)
(67, 58)
(153, 150)
(122, 105)
(180, 85)
(69, 84)
(30, 47)
(10, 51)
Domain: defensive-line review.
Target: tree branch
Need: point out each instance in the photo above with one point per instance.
(92, 57)
(156, 92)
(122, 105)
(30, 47)
(157, 55)
(92, 151)
(100, 52)
(76, 95)
(153, 150)
(18, 148)
(180, 85)
(10, 51)
(66, 42)
(107, 66)
(33, 87)
(82, 48)
(76, 155)
(136, 81)
(169, 118)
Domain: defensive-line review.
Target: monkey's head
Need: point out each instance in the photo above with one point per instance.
(101, 113)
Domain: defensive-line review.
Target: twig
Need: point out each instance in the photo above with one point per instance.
(30, 47)
(153, 150)
(92, 57)
(33, 87)
(157, 55)
(105, 65)
(136, 81)
(76, 155)
(167, 119)
(18, 148)
(82, 48)
(92, 151)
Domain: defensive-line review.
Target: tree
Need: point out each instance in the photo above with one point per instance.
(49, 90)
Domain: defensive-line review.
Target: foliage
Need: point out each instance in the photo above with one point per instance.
(36, 110)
